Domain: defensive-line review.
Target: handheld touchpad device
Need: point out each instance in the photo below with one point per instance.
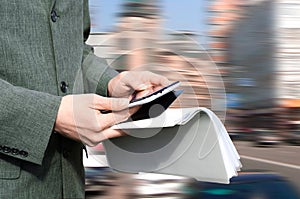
(153, 96)
(156, 103)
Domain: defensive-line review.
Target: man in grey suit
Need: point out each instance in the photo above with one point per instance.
(45, 117)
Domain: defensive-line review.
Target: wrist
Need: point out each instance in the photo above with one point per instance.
(114, 83)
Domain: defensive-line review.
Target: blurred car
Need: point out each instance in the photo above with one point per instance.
(151, 185)
(104, 182)
(241, 134)
(97, 180)
(293, 137)
(235, 134)
(292, 133)
(253, 185)
(263, 137)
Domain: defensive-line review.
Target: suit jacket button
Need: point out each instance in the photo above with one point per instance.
(6, 149)
(66, 153)
(15, 151)
(53, 16)
(63, 87)
(23, 153)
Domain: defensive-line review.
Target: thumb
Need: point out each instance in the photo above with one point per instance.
(108, 103)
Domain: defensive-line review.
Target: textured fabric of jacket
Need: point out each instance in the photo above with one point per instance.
(42, 58)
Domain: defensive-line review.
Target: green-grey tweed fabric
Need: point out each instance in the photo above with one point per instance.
(42, 45)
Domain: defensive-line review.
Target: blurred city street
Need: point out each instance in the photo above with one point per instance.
(243, 65)
(283, 159)
(280, 161)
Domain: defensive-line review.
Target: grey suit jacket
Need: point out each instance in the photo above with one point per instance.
(42, 58)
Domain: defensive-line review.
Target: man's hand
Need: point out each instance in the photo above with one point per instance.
(80, 118)
(136, 84)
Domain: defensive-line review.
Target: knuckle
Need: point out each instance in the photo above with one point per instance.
(90, 140)
(124, 73)
(91, 143)
(93, 140)
(124, 116)
(96, 126)
(100, 127)
(97, 99)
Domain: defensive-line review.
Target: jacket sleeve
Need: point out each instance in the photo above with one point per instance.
(96, 71)
(26, 115)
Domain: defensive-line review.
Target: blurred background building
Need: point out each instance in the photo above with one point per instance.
(252, 48)
(255, 43)
(140, 42)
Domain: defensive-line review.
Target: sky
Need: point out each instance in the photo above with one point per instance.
(179, 15)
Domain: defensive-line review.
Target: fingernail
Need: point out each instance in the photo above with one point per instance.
(144, 87)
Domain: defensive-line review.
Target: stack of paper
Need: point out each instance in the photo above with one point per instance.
(189, 142)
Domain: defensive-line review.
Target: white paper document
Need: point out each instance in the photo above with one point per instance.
(169, 118)
(190, 142)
